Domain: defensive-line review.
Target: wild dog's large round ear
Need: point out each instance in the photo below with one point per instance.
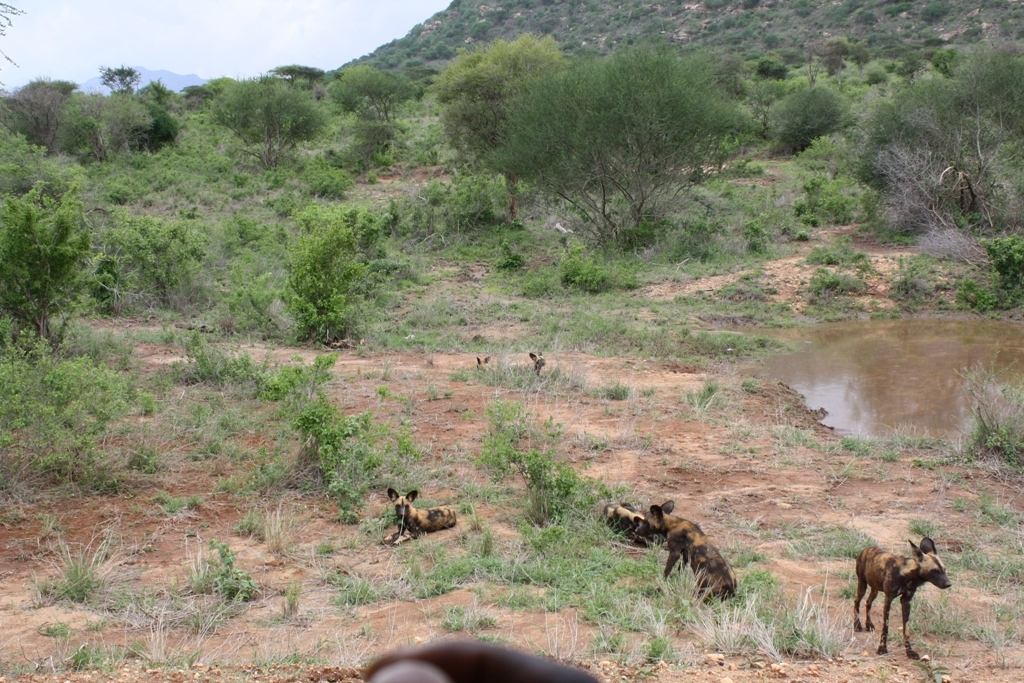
(917, 551)
(657, 512)
(533, 356)
(668, 506)
(392, 494)
(927, 546)
(478, 361)
(411, 496)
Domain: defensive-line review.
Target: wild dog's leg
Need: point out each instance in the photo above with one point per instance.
(673, 557)
(882, 644)
(905, 604)
(868, 626)
(862, 587)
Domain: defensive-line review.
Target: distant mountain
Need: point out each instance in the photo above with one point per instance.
(175, 82)
(747, 28)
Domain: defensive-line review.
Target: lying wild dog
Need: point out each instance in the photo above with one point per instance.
(481, 363)
(897, 577)
(688, 542)
(418, 522)
(626, 519)
(622, 517)
(538, 361)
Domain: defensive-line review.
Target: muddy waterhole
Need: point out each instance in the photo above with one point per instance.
(874, 376)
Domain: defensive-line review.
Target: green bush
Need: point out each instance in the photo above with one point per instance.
(997, 410)
(556, 491)
(582, 271)
(325, 268)
(827, 284)
(977, 297)
(206, 363)
(808, 114)
(230, 582)
(343, 453)
(509, 259)
(326, 181)
(155, 260)
(840, 253)
(52, 411)
(1006, 254)
(43, 249)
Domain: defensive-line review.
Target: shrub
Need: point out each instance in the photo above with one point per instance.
(976, 297)
(230, 582)
(43, 248)
(326, 181)
(325, 268)
(341, 452)
(840, 253)
(770, 68)
(555, 489)
(998, 417)
(208, 364)
(1006, 254)
(52, 411)
(509, 259)
(827, 284)
(155, 260)
(581, 271)
(808, 114)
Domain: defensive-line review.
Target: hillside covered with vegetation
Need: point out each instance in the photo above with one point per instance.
(745, 28)
(232, 318)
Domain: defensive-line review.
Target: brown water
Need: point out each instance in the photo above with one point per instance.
(874, 376)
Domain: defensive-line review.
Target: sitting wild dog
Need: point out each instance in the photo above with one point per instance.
(538, 362)
(897, 577)
(481, 363)
(686, 541)
(418, 522)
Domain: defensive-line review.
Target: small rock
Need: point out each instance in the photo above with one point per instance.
(604, 662)
(726, 680)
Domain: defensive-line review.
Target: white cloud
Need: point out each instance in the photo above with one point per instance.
(71, 39)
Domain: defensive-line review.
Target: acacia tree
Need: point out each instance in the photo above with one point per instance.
(296, 74)
(618, 138)
(37, 111)
(268, 116)
(370, 92)
(477, 89)
(122, 80)
(43, 246)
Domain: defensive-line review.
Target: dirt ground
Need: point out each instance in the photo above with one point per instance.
(728, 469)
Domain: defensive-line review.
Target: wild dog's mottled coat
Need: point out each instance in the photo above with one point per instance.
(418, 522)
(628, 520)
(622, 517)
(895, 576)
(686, 541)
(538, 362)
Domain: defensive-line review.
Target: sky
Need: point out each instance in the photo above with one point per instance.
(72, 39)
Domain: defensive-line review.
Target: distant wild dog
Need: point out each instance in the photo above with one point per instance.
(419, 522)
(481, 363)
(686, 541)
(538, 362)
(897, 577)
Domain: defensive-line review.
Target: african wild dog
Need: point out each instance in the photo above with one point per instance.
(687, 541)
(418, 522)
(481, 363)
(897, 577)
(626, 519)
(538, 361)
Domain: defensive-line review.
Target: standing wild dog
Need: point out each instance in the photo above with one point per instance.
(897, 577)
(687, 541)
(538, 362)
(418, 522)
